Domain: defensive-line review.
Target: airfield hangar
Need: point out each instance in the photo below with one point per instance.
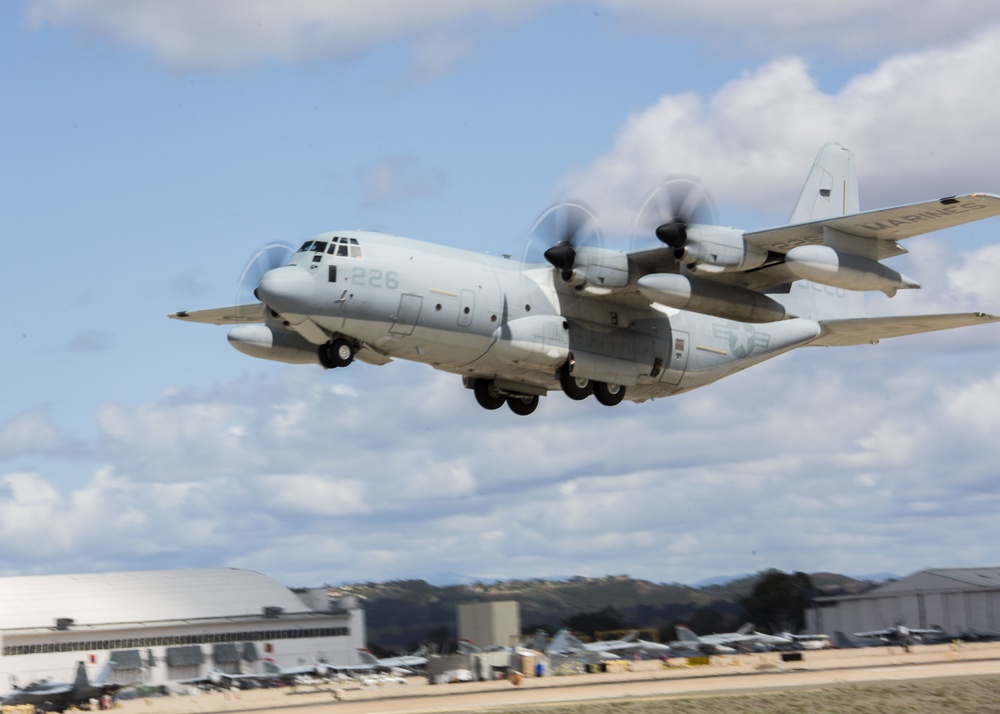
(156, 627)
(958, 600)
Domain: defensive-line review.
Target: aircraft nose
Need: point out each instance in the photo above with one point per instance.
(288, 290)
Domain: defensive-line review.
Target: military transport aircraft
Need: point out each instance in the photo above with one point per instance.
(680, 305)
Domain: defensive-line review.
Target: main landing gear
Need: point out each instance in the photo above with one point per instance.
(490, 397)
(338, 352)
(576, 388)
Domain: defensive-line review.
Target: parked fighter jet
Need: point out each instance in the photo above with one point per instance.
(565, 641)
(682, 305)
(402, 662)
(59, 696)
(901, 635)
(722, 643)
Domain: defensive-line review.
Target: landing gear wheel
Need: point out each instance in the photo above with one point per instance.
(336, 353)
(488, 396)
(609, 394)
(575, 388)
(523, 406)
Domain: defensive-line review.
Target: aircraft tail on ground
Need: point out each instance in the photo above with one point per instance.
(81, 682)
(686, 635)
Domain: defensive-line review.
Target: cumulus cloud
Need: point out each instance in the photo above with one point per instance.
(32, 433)
(397, 473)
(752, 141)
(227, 34)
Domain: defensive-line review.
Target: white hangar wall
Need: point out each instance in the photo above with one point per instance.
(958, 600)
(160, 626)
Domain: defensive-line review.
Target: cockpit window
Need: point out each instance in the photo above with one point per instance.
(345, 247)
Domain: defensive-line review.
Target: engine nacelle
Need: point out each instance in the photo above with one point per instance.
(540, 341)
(711, 298)
(261, 341)
(718, 250)
(600, 267)
(825, 265)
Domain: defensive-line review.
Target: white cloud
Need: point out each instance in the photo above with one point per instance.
(851, 28)
(225, 34)
(753, 140)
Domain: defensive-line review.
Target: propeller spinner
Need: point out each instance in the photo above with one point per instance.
(565, 227)
(273, 255)
(669, 208)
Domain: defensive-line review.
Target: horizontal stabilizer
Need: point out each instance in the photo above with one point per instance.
(840, 333)
(224, 315)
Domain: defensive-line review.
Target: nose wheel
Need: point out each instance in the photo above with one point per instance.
(337, 352)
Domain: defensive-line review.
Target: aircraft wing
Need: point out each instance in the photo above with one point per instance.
(862, 330)
(223, 315)
(884, 224)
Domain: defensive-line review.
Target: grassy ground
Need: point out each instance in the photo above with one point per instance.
(954, 695)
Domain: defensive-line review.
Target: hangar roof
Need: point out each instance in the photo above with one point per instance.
(143, 596)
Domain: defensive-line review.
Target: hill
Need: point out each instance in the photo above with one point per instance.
(402, 613)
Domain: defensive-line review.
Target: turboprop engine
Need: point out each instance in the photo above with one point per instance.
(711, 298)
(826, 265)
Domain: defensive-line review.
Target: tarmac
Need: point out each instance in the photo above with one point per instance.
(724, 674)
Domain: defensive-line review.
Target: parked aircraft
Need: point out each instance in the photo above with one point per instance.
(722, 643)
(901, 635)
(402, 662)
(565, 641)
(682, 305)
(59, 696)
(807, 642)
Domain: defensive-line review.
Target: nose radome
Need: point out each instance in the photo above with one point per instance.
(288, 290)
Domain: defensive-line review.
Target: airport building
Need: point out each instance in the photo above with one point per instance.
(490, 624)
(956, 600)
(158, 627)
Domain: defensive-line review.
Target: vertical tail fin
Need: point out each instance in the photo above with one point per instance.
(81, 682)
(686, 635)
(831, 188)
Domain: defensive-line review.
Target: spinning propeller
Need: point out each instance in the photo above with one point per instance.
(564, 228)
(670, 208)
(272, 255)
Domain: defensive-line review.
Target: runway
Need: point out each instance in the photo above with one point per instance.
(726, 675)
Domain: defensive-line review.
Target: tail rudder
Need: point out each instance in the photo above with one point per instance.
(831, 189)
(81, 682)
(686, 635)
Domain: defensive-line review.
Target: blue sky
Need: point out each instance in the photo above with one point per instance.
(148, 149)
